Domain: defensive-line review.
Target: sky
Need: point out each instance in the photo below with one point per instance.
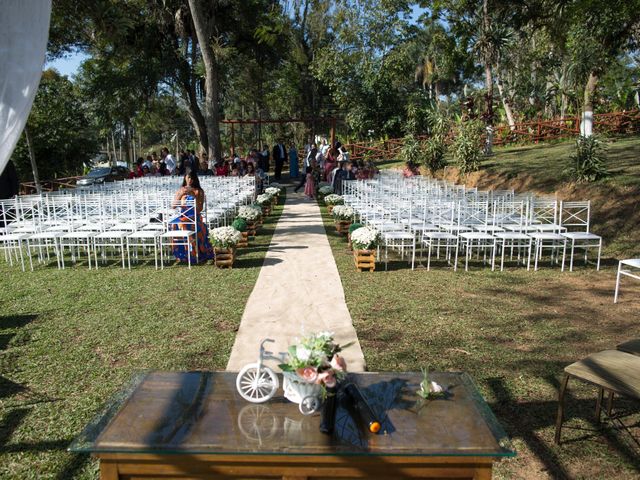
(69, 65)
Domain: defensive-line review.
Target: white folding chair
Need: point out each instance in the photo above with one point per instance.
(628, 268)
(575, 218)
(182, 231)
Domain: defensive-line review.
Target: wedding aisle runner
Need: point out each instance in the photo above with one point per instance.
(298, 291)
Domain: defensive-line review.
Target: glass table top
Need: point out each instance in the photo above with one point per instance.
(202, 413)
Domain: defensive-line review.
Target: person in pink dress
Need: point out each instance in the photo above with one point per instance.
(310, 184)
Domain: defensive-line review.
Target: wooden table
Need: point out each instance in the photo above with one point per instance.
(195, 425)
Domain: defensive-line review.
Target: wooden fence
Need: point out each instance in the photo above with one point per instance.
(535, 131)
(27, 188)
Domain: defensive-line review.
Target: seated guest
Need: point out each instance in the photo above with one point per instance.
(222, 169)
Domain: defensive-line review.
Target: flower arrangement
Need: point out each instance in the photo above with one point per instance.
(240, 224)
(249, 213)
(429, 389)
(225, 237)
(273, 191)
(364, 238)
(333, 199)
(315, 360)
(264, 199)
(342, 212)
(325, 190)
(354, 226)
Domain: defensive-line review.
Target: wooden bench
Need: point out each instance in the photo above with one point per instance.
(610, 370)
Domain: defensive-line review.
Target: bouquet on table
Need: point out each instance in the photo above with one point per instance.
(315, 360)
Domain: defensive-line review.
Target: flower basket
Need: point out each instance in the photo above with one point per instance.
(224, 257)
(251, 228)
(266, 209)
(244, 243)
(342, 226)
(296, 388)
(365, 260)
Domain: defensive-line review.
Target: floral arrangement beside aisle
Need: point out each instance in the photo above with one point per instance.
(333, 200)
(249, 213)
(343, 215)
(364, 240)
(225, 240)
(281, 188)
(313, 365)
(273, 191)
(264, 199)
(352, 228)
(240, 224)
(325, 190)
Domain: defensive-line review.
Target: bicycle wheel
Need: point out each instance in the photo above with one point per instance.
(256, 385)
(309, 405)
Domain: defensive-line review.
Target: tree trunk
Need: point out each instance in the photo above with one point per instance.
(506, 104)
(127, 144)
(586, 123)
(489, 85)
(34, 165)
(211, 114)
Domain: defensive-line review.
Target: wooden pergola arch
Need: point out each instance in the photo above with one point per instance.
(232, 122)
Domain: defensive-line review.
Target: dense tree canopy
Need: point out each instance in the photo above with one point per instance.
(370, 63)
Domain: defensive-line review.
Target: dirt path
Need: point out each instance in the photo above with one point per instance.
(298, 291)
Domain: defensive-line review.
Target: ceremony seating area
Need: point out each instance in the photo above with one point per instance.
(125, 220)
(454, 223)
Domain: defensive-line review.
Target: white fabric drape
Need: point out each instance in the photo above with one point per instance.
(24, 30)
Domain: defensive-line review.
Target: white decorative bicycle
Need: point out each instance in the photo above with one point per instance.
(257, 383)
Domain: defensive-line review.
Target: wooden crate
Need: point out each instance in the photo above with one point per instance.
(365, 260)
(342, 226)
(244, 243)
(224, 257)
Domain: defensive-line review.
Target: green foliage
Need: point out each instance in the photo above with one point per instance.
(240, 224)
(354, 226)
(467, 145)
(589, 161)
(435, 146)
(61, 135)
(412, 152)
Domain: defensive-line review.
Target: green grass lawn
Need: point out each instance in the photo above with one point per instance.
(514, 332)
(546, 163)
(70, 339)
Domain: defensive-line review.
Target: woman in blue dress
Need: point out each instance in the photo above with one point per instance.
(199, 249)
(293, 162)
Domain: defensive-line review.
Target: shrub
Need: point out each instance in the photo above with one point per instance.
(434, 146)
(354, 226)
(240, 224)
(589, 162)
(467, 145)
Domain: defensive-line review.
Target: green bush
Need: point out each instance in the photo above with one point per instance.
(354, 226)
(467, 145)
(435, 147)
(589, 162)
(240, 224)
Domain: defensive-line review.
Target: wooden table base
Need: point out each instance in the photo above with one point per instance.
(292, 467)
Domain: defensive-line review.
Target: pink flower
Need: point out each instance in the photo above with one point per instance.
(327, 377)
(310, 374)
(339, 363)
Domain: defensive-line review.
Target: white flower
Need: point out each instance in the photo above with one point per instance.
(342, 212)
(364, 238)
(325, 190)
(226, 237)
(248, 212)
(272, 191)
(303, 353)
(435, 387)
(333, 199)
(264, 199)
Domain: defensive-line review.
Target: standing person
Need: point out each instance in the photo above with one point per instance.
(148, 163)
(330, 162)
(168, 160)
(199, 249)
(279, 157)
(307, 163)
(265, 159)
(293, 162)
(309, 186)
(311, 155)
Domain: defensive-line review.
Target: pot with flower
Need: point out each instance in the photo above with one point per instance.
(324, 190)
(225, 240)
(274, 191)
(264, 200)
(250, 215)
(352, 227)
(364, 241)
(240, 224)
(343, 216)
(313, 370)
(332, 200)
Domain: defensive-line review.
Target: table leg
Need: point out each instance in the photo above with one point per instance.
(563, 387)
(108, 470)
(483, 473)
